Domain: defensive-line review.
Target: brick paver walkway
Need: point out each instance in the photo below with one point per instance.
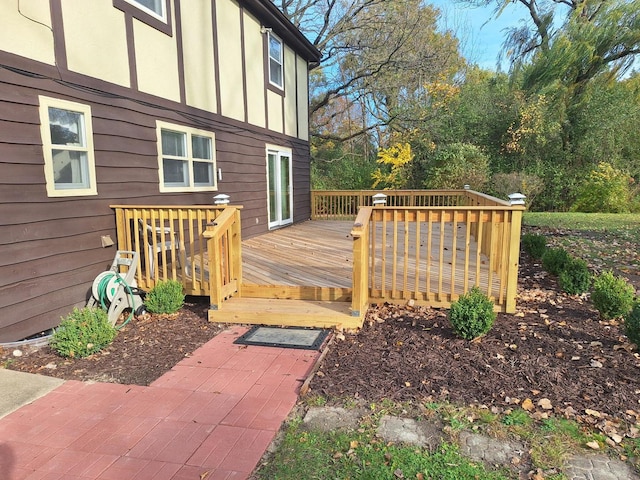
(212, 416)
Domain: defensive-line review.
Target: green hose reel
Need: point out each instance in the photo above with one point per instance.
(115, 290)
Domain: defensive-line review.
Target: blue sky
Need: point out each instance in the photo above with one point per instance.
(481, 34)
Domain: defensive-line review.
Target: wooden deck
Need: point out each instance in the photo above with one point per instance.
(320, 254)
(313, 253)
(327, 272)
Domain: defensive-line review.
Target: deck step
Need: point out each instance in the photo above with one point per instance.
(284, 312)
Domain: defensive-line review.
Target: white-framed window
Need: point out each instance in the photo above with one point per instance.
(276, 63)
(186, 159)
(67, 146)
(155, 8)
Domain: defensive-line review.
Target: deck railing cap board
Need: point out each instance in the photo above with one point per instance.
(169, 207)
(361, 221)
(226, 218)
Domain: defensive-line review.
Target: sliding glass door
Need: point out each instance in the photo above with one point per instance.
(280, 187)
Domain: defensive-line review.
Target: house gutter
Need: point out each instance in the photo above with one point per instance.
(272, 17)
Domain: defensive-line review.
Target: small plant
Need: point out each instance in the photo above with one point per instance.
(165, 297)
(632, 325)
(535, 245)
(612, 296)
(517, 417)
(554, 260)
(472, 315)
(575, 277)
(82, 333)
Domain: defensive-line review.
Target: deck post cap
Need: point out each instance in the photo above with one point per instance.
(379, 199)
(516, 198)
(221, 199)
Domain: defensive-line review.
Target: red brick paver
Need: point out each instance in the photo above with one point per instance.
(212, 416)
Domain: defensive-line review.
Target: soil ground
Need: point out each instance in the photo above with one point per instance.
(555, 355)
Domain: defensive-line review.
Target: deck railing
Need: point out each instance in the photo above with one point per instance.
(197, 245)
(224, 250)
(344, 204)
(434, 254)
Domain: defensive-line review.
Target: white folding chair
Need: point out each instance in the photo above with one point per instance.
(160, 247)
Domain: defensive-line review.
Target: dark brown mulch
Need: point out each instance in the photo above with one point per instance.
(143, 350)
(555, 348)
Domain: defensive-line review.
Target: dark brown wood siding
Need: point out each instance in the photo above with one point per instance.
(50, 248)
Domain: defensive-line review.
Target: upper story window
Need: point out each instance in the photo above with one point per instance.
(155, 8)
(155, 13)
(276, 63)
(67, 144)
(186, 159)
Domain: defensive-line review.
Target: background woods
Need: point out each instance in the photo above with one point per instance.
(565, 112)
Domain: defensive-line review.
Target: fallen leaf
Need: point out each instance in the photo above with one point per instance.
(528, 405)
(353, 444)
(593, 445)
(537, 475)
(545, 403)
(593, 413)
(615, 437)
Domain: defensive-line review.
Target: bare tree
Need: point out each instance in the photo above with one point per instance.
(376, 56)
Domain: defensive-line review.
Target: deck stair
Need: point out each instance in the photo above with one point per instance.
(274, 311)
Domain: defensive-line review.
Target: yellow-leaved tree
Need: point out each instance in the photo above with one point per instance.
(396, 158)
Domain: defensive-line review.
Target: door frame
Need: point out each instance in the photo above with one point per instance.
(279, 152)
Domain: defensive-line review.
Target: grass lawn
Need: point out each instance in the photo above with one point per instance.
(599, 222)
(604, 240)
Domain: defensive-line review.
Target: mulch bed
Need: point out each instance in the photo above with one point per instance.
(554, 355)
(144, 349)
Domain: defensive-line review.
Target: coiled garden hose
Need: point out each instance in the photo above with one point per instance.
(104, 293)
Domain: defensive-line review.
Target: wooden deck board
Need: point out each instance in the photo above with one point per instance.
(301, 313)
(319, 254)
(314, 253)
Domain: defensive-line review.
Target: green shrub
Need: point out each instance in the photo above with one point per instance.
(535, 245)
(575, 277)
(472, 315)
(82, 333)
(456, 164)
(554, 260)
(632, 325)
(606, 190)
(612, 296)
(165, 297)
